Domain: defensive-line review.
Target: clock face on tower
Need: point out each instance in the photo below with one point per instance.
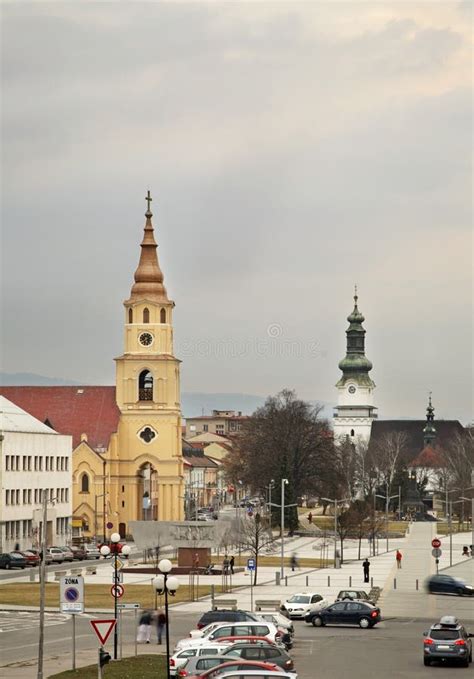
(352, 389)
(145, 339)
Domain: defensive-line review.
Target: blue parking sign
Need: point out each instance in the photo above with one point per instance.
(251, 564)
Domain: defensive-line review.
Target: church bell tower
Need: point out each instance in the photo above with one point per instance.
(355, 411)
(148, 444)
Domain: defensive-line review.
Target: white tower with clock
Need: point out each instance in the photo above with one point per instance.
(355, 410)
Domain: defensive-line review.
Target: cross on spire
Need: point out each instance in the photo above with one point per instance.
(148, 200)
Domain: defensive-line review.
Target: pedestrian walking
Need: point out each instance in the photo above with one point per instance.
(293, 562)
(398, 557)
(160, 624)
(465, 550)
(231, 564)
(144, 627)
(310, 518)
(196, 561)
(366, 568)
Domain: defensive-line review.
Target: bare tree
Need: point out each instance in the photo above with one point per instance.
(255, 536)
(390, 453)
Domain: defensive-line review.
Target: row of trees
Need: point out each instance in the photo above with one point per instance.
(288, 438)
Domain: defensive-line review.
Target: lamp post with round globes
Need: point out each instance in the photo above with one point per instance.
(164, 583)
(105, 550)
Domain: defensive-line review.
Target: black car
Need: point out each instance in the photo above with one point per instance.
(12, 560)
(446, 584)
(260, 651)
(447, 640)
(346, 613)
(225, 615)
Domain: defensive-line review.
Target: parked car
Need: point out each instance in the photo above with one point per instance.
(211, 667)
(12, 560)
(79, 553)
(91, 551)
(225, 615)
(39, 554)
(32, 559)
(298, 605)
(447, 640)
(256, 674)
(354, 595)
(235, 629)
(346, 613)
(179, 658)
(446, 584)
(56, 555)
(68, 555)
(259, 650)
(280, 620)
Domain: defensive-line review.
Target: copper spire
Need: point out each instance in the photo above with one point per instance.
(148, 276)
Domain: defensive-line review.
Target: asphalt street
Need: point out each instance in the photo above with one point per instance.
(392, 649)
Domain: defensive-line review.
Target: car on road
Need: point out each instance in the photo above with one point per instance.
(225, 615)
(259, 650)
(346, 613)
(447, 584)
(12, 560)
(354, 595)
(39, 554)
(447, 639)
(210, 667)
(32, 559)
(298, 605)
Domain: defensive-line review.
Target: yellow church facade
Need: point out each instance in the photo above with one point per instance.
(140, 472)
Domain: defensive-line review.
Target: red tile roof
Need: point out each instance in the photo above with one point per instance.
(429, 457)
(71, 410)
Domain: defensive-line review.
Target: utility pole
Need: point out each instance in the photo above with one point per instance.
(104, 462)
(284, 482)
(334, 502)
(42, 583)
(387, 499)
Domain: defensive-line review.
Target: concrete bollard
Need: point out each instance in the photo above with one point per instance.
(277, 578)
(417, 584)
(32, 575)
(329, 581)
(307, 581)
(286, 581)
(394, 583)
(350, 580)
(371, 583)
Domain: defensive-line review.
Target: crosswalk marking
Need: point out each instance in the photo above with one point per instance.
(14, 621)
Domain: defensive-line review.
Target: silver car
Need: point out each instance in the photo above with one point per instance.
(55, 555)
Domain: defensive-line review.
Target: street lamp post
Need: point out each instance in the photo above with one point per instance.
(270, 487)
(284, 482)
(387, 499)
(164, 583)
(334, 502)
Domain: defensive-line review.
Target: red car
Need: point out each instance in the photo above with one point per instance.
(215, 672)
(32, 559)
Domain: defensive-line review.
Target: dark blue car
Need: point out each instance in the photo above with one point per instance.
(446, 584)
(346, 613)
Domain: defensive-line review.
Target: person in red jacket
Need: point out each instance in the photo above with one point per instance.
(398, 557)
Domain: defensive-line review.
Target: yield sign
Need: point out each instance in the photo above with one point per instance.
(103, 628)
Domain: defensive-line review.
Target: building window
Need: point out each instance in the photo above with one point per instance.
(29, 496)
(29, 463)
(219, 428)
(352, 432)
(163, 316)
(145, 386)
(84, 483)
(205, 427)
(7, 497)
(130, 316)
(123, 489)
(123, 503)
(7, 463)
(146, 315)
(66, 493)
(147, 434)
(25, 496)
(66, 464)
(46, 463)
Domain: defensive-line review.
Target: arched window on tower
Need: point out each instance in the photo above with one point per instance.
(85, 483)
(145, 386)
(130, 315)
(352, 432)
(163, 316)
(146, 315)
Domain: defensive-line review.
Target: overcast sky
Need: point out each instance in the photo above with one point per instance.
(292, 150)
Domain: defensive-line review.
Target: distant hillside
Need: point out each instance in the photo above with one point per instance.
(193, 404)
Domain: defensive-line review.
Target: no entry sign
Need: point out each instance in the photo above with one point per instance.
(436, 543)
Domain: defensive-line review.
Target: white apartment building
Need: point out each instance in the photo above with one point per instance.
(34, 459)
